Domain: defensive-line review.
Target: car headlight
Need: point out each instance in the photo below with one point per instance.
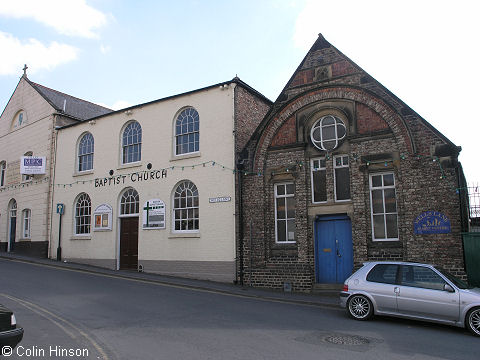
(13, 320)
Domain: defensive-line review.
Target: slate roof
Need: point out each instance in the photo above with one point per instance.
(74, 107)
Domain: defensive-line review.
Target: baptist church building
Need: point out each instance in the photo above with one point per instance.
(27, 155)
(154, 186)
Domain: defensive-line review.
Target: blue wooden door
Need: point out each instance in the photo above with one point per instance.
(333, 249)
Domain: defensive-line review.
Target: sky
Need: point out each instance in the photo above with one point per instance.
(120, 53)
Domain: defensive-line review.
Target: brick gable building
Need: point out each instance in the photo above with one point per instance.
(341, 171)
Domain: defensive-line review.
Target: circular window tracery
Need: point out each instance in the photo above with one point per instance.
(327, 133)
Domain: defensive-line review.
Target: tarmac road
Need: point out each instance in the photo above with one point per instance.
(118, 318)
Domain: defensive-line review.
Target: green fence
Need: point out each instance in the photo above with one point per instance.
(471, 248)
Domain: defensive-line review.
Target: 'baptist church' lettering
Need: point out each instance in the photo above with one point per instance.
(139, 176)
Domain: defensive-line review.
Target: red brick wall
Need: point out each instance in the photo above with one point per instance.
(287, 134)
(368, 121)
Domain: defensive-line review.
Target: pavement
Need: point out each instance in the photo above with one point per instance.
(325, 299)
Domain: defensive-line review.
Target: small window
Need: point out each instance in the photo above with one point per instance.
(383, 207)
(27, 177)
(421, 277)
(383, 273)
(85, 153)
(83, 211)
(319, 180)
(342, 178)
(285, 229)
(187, 132)
(129, 203)
(327, 133)
(26, 215)
(132, 143)
(186, 207)
(3, 172)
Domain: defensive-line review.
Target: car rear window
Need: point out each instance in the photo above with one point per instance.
(383, 273)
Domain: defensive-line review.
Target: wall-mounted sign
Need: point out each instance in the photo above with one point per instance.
(30, 165)
(431, 222)
(154, 214)
(102, 217)
(220, 199)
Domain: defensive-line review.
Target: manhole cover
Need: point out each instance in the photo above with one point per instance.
(347, 340)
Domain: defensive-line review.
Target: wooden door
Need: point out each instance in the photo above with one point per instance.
(129, 243)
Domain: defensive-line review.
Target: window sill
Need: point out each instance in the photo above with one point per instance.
(186, 156)
(130, 165)
(25, 239)
(82, 173)
(187, 235)
(80, 237)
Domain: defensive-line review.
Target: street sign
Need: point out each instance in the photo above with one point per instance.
(60, 209)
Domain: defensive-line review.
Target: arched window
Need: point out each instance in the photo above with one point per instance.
(85, 153)
(187, 132)
(27, 177)
(3, 171)
(129, 203)
(327, 132)
(132, 143)
(12, 224)
(83, 212)
(26, 215)
(185, 207)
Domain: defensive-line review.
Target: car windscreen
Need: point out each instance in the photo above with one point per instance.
(456, 281)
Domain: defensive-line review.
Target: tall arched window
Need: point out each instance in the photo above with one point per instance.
(185, 207)
(132, 143)
(26, 223)
(85, 153)
(83, 212)
(187, 130)
(12, 224)
(27, 177)
(3, 171)
(129, 203)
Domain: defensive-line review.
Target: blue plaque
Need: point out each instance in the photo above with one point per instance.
(432, 222)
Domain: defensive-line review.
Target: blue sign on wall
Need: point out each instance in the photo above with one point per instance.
(432, 222)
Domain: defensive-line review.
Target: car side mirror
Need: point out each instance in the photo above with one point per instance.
(448, 288)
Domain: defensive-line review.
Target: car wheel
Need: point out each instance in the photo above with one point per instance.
(360, 307)
(472, 321)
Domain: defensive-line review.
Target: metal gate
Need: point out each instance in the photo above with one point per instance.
(471, 248)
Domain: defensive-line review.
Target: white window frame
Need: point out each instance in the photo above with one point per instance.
(177, 135)
(383, 187)
(284, 196)
(132, 194)
(79, 155)
(312, 170)
(3, 173)
(26, 223)
(27, 177)
(343, 156)
(124, 146)
(319, 124)
(77, 216)
(193, 207)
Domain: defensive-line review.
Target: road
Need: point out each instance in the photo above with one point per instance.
(90, 316)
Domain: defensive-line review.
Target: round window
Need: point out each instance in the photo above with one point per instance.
(327, 132)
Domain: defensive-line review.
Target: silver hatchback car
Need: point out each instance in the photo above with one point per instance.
(411, 290)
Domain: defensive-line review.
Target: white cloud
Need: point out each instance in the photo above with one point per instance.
(105, 49)
(117, 105)
(34, 53)
(72, 17)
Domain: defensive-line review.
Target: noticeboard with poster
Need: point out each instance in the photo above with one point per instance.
(102, 218)
(154, 214)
